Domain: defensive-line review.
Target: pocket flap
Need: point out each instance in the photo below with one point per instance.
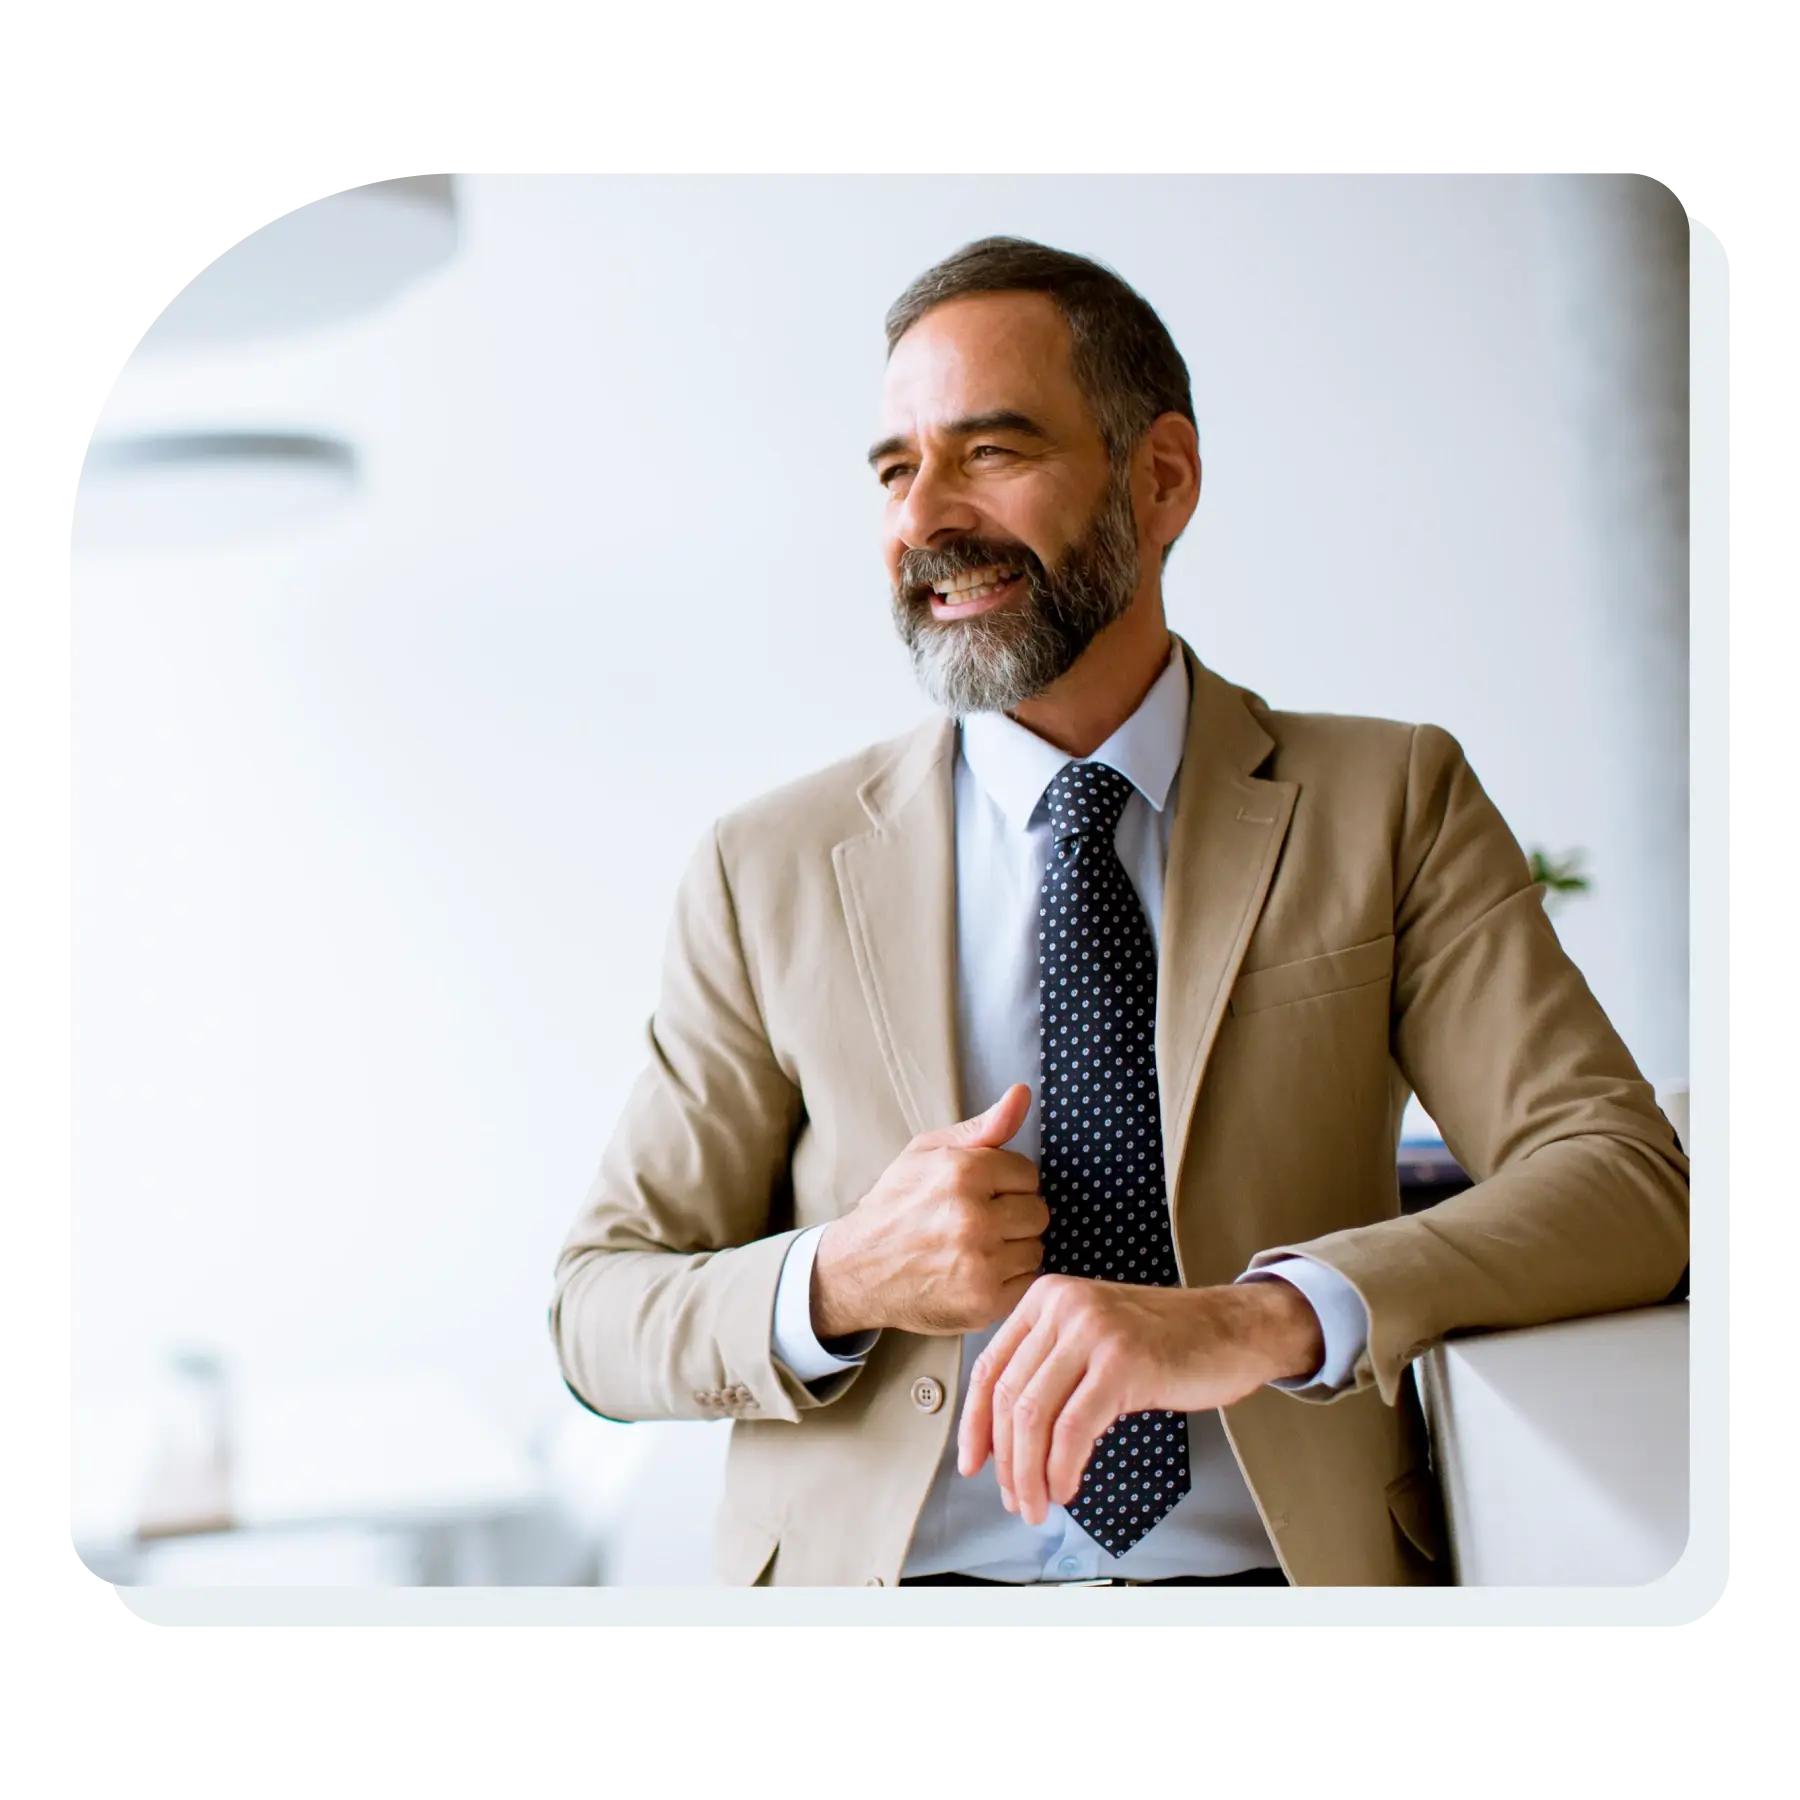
(1412, 1500)
(1312, 976)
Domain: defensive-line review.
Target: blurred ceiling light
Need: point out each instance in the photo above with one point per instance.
(186, 490)
(331, 260)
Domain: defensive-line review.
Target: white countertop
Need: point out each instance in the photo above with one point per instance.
(1562, 1450)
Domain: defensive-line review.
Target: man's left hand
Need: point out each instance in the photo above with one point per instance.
(1075, 1355)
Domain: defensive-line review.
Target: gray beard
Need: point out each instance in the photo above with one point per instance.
(996, 660)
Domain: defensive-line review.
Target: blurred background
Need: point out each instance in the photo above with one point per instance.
(454, 550)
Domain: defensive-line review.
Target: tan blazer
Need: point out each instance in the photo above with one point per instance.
(1346, 918)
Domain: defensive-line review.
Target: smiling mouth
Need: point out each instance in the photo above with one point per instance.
(973, 591)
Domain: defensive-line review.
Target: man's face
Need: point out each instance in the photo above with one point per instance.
(1009, 540)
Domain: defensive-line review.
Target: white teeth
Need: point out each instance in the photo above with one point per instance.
(975, 579)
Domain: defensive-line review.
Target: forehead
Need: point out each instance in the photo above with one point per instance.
(983, 353)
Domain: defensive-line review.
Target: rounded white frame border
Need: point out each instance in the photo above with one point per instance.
(1686, 1593)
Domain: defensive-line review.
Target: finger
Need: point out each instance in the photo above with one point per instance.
(1034, 1420)
(975, 1434)
(1086, 1415)
(1019, 1256)
(1003, 1120)
(1021, 1215)
(1006, 1171)
(1009, 1386)
(1015, 1290)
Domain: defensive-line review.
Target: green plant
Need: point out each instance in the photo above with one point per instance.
(1559, 876)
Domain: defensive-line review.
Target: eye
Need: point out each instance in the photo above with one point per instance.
(990, 450)
(892, 471)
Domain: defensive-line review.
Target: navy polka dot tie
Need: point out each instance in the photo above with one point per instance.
(1101, 1164)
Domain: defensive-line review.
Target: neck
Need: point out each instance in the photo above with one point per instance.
(1107, 684)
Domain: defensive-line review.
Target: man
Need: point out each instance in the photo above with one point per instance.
(1015, 1157)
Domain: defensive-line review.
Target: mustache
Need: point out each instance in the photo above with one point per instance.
(921, 568)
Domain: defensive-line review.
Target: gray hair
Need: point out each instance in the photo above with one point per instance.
(1121, 356)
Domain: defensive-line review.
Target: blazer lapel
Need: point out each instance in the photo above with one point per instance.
(1227, 832)
(898, 883)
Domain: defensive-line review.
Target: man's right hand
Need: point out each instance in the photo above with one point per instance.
(945, 1242)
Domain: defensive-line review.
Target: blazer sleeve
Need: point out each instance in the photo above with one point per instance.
(1580, 1195)
(664, 1291)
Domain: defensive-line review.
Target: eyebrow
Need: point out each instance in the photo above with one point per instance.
(1020, 424)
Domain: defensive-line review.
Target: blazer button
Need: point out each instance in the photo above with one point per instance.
(874, 1581)
(927, 1395)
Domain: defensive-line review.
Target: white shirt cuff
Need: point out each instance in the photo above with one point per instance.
(792, 1338)
(1343, 1319)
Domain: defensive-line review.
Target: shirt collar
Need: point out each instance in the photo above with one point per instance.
(1013, 765)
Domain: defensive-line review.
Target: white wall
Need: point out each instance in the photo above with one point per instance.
(377, 824)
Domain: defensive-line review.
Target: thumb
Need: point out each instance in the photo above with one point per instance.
(989, 1130)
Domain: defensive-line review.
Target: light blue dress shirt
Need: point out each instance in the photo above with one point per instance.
(1003, 845)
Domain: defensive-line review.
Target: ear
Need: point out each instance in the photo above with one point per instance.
(1170, 454)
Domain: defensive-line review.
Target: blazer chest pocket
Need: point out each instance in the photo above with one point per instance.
(1312, 977)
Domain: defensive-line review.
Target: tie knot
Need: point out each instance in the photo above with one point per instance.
(1086, 797)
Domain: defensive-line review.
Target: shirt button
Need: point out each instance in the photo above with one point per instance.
(1069, 1565)
(927, 1395)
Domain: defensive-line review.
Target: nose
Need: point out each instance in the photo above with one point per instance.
(935, 503)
